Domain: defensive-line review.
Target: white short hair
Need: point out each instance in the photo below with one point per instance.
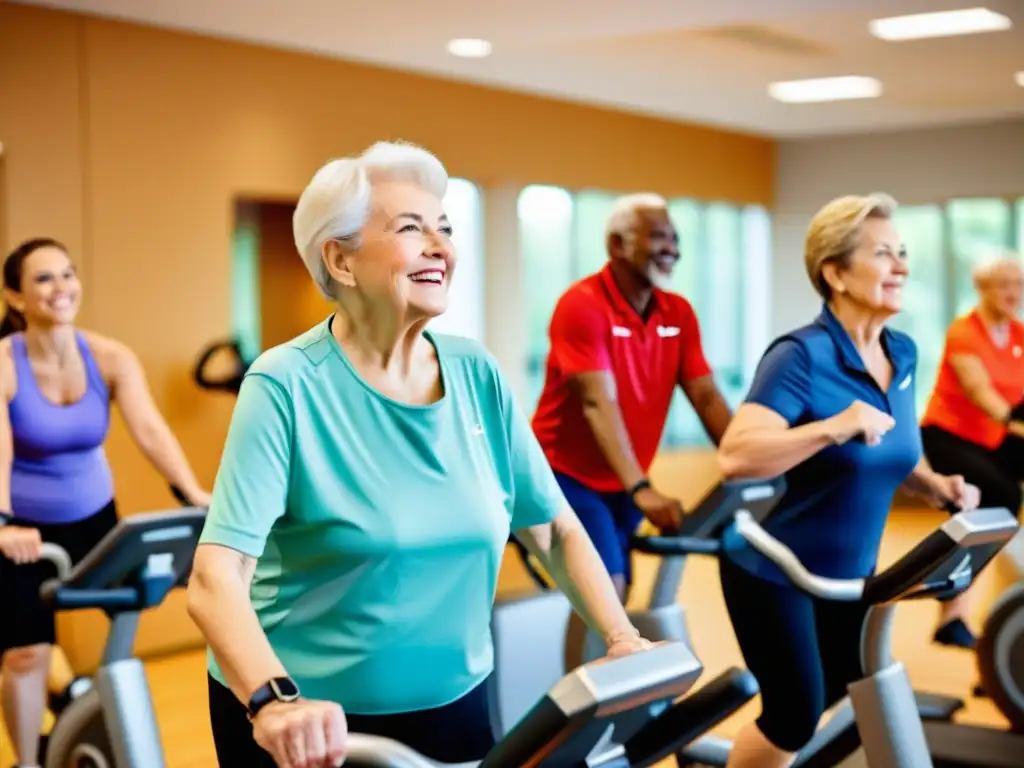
(986, 268)
(336, 203)
(625, 213)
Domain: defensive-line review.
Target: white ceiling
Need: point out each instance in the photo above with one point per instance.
(687, 60)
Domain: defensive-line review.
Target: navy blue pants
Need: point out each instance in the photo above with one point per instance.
(609, 517)
(459, 732)
(803, 651)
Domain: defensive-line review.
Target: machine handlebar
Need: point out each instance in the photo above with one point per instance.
(59, 556)
(377, 752)
(829, 589)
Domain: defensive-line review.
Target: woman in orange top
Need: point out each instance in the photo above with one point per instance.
(974, 423)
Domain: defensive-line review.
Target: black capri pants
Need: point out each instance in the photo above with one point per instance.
(996, 473)
(34, 622)
(459, 732)
(802, 650)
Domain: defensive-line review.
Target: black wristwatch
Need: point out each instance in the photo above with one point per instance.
(276, 689)
(639, 486)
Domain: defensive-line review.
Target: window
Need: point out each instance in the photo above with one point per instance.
(465, 315)
(978, 227)
(926, 295)
(1020, 225)
(723, 272)
(545, 240)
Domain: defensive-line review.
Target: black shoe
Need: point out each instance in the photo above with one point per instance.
(955, 634)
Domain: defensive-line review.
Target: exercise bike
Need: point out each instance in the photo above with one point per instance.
(132, 569)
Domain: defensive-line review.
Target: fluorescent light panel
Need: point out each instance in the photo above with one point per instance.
(968, 21)
(825, 89)
(469, 48)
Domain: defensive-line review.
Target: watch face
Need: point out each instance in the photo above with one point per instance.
(285, 688)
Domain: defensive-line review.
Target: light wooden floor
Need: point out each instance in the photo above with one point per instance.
(179, 690)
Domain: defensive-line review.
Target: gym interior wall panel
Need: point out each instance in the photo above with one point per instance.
(134, 145)
(42, 105)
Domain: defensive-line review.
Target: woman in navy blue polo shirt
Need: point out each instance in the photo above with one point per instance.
(831, 408)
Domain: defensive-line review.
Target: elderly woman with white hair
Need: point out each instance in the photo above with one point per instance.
(832, 408)
(974, 423)
(372, 474)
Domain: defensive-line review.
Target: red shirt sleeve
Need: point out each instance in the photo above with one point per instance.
(579, 334)
(692, 363)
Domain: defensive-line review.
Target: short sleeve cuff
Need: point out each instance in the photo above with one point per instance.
(233, 538)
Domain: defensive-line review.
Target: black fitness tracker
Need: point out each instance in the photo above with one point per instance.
(1016, 413)
(276, 689)
(639, 486)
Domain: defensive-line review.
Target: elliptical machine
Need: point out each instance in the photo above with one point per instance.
(133, 568)
(525, 665)
(942, 565)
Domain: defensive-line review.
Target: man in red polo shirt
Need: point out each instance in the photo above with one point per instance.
(620, 344)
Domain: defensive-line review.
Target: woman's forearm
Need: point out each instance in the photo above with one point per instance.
(164, 452)
(922, 482)
(578, 572)
(988, 399)
(219, 604)
(763, 453)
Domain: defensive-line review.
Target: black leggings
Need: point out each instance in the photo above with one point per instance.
(459, 732)
(803, 651)
(996, 473)
(27, 620)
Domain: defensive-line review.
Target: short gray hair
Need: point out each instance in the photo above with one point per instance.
(625, 213)
(336, 203)
(986, 268)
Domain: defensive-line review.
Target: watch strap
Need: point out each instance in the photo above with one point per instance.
(639, 486)
(275, 689)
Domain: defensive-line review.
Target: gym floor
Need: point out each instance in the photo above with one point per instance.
(179, 683)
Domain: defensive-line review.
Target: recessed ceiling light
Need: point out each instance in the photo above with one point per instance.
(826, 89)
(1019, 77)
(939, 24)
(469, 48)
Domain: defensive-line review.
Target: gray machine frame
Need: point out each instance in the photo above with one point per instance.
(584, 720)
(516, 622)
(893, 733)
(131, 569)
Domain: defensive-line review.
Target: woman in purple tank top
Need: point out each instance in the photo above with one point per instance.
(55, 482)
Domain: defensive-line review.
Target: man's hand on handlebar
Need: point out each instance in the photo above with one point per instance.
(303, 733)
(21, 545)
(665, 513)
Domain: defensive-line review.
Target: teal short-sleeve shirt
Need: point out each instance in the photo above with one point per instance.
(378, 527)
